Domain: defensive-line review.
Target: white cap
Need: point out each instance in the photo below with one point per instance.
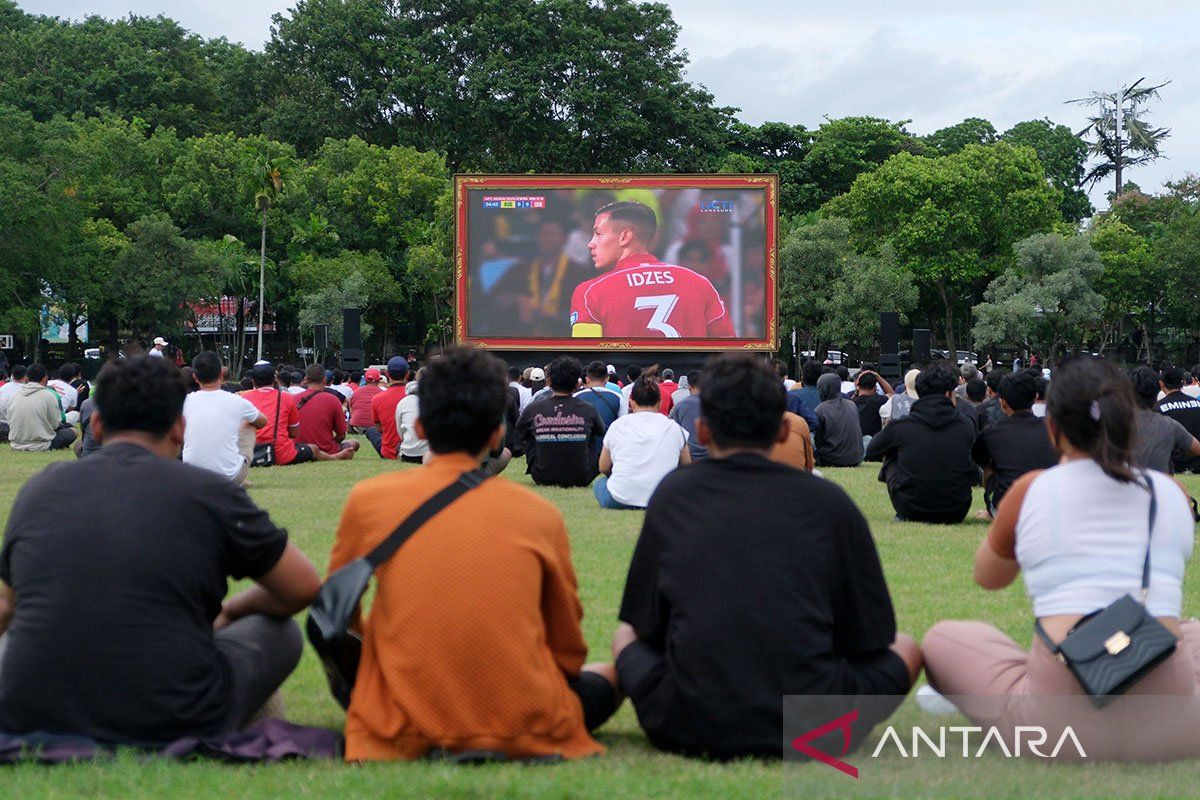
(537, 374)
(161, 340)
(612, 370)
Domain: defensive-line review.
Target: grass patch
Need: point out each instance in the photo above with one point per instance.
(928, 569)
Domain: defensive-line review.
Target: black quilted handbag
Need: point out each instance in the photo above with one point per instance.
(1112, 649)
(329, 620)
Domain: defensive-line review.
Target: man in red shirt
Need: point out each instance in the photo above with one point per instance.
(666, 388)
(360, 402)
(322, 418)
(283, 420)
(386, 440)
(638, 296)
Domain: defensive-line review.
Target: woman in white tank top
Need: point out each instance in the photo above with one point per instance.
(1079, 533)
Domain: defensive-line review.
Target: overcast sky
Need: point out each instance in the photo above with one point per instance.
(934, 63)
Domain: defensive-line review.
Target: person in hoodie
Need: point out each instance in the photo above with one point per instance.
(839, 435)
(927, 455)
(35, 415)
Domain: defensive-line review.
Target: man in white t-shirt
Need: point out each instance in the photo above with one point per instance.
(412, 447)
(640, 449)
(214, 417)
(62, 385)
(160, 344)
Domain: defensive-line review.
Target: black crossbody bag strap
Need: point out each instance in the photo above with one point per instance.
(388, 547)
(1037, 625)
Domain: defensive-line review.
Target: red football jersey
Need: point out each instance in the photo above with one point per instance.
(645, 298)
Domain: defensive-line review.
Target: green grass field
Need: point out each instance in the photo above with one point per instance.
(928, 569)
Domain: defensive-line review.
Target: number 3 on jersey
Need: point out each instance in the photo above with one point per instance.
(663, 305)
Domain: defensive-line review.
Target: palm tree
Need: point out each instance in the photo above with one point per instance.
(1122, 137)
(268, 189)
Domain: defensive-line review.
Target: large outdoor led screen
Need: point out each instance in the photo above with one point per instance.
(663, 262)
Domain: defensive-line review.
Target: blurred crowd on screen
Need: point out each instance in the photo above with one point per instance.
(524, 263)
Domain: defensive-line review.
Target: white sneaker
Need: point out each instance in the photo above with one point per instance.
(932, 701)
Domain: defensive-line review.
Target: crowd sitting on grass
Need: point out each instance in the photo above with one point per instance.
(740, 532)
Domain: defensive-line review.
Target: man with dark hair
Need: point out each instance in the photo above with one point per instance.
(632, 373)
(687, 411)
(323, 417)
(62, 384)
(989, 410)
(35, 415)
(609, 405)
(15, 380)
(214, 419)
(1015, 445)
(639, 450)
(116, 630)
(976, 390)
(1182, 407)
(493, 659)
(927, 455)
(384, 437)
(810, 373)
(638, 296)
(701, 650)
(869, 401)
(558, 432)
(1160, 441)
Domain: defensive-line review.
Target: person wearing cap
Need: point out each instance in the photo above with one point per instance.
(612, 380)
(900, 403)
(538, 385)
(386, 440)
(360, 404)
(160, 345)
(283, 421)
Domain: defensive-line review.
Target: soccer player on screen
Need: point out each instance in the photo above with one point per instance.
(638, 296)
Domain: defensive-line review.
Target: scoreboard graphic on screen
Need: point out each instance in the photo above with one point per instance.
(623, 262)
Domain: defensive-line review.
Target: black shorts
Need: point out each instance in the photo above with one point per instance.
(304, 454)
(598, 697)
(412, 459)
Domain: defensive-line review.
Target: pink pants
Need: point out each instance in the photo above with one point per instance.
(994, 681)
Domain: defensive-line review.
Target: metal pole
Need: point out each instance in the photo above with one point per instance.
(1117, 123)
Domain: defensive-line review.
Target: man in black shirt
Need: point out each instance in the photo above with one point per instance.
(116, 630)
(869, 402)
(1016, 444)
(1184, 409)
(989, 410)
(557, 431)
(751, 581)
(927, 455)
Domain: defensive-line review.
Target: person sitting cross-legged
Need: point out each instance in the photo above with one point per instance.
(927, 455)
(751, 580)
(115, 630)
(1016, 444)
(473, 641)
(639, 450)
(556, 431)
(36, 418)
(323, 416)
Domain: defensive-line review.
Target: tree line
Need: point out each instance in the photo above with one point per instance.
(147, 170)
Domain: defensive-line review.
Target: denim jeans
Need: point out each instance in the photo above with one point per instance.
(606, 500)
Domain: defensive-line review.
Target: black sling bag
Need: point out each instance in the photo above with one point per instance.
(337, 645)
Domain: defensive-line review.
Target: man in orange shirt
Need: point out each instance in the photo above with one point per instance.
(473, 640)
(383, 409)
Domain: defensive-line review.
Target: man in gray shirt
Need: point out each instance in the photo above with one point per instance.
(686, 412)
(1158, 438)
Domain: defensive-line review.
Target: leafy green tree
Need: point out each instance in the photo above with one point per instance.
(1178, 249)
(504, 85)
(1122, 138)
(1133, 281)
(832, 295)
(843, 149)
(153, 274)
(1063, 155)
(771, 147)
(951, 220)
(1047, 300)
(953, 139)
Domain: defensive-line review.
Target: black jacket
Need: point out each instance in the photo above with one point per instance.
(927, 461)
